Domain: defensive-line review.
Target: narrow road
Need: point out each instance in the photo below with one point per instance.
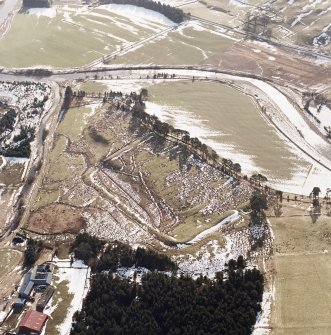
(43, 147)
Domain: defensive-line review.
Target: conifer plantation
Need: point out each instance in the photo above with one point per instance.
(166, 303)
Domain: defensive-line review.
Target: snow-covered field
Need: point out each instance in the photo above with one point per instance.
(48, 12)
(139, 15)
(77, 275)
(309, 149)
(307, 146)
(107, 29)
(284, 115)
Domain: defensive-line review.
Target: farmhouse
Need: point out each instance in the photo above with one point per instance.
(42, 274)
(32, 323)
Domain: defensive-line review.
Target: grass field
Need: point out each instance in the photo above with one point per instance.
(303, 297)
(92, 86)
(193, 44)
(62, 300)
(73, 37)
(229, 121)
(302, 274)
(75, 121)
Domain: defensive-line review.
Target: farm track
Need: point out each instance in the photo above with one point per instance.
(43, 147)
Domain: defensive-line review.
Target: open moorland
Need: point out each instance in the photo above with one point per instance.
(119, 181)
(247, 81)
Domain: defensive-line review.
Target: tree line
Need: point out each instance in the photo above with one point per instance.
(170, 304)
(165, 129)
(67, 100)
(36, 3)
(174, 14)
(90, 249)
(120, 254)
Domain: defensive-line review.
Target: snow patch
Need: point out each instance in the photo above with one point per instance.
(215, 228)
(77, 276)
(138, 14)
(48, 12)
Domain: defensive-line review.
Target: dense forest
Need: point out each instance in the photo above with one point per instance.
(7, 121)
(21, 144)
(35, 3)
(86, 247)
(119, 254)
(174, 14)
(90, 249)
(32, 251)
(171, 305)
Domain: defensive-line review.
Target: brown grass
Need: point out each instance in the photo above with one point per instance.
(302, 273)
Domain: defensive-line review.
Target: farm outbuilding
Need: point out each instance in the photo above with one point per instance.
(41, 275)
(26, 287)
(42, 302)
(19, 303)
(32, 323)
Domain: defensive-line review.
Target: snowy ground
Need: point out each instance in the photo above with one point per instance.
(212, 257)
(205, 233)
(77, 275)
(49, 12)
(139, 15)
(30, 107)
(285, 116)
(306, 145)
(262, 326)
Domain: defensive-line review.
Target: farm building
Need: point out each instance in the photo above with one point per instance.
(41, 275)
(19, 303)
(42, 302)
(26, 287)
(32, 323)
